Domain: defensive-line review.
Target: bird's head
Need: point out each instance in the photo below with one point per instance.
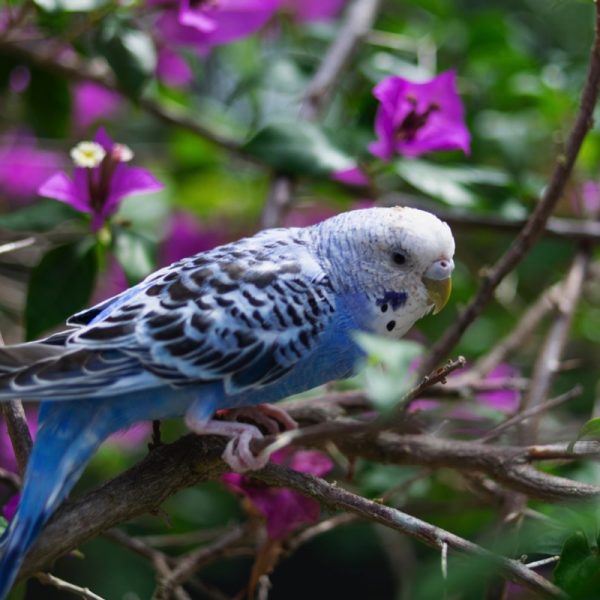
(399, 258)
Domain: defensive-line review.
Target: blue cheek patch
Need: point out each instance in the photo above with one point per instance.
(394, 299)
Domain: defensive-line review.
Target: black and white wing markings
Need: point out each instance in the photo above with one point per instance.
(245, 313)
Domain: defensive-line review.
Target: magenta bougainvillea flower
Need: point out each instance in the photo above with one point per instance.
(208, 24)
(186, 236)
(172, 69)
(309, 11)
(24, 166)
(416, 118)
(352, 176)
(284, 510)
(506, 401)
(101, 179)
(92, 102)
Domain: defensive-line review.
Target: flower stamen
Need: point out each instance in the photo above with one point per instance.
(88, 154)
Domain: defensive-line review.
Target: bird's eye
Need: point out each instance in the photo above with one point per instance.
(398, 258)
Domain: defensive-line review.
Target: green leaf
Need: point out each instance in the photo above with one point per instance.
(130, 53)
(590, 429)
(41, 216)
(578, 570)
(48, 103)
(3, 524)
(298, 148)
(60, 285)
(387, 376)
(70, 5)
(452, 185)
(135, 253)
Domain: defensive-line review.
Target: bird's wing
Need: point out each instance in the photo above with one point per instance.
(244, 313)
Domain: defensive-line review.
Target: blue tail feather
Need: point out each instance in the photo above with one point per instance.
(66, 441)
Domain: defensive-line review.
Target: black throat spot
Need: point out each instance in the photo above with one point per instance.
(394, 299)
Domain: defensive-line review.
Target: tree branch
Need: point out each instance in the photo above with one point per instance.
(535, 225)
(337, 498)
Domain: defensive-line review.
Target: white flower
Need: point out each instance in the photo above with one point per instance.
(122, 153)
(88, 154)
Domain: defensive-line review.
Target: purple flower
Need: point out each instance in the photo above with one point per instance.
(353, 176)
(24, 167)
(172, 69)
(92, 102)
(100, 180)
(10, 507)
(415, 118)
(215, 22)
(185, 237)
(506, 401)
(19, 79)
(284, 510)
(308, 11)
(585, 200)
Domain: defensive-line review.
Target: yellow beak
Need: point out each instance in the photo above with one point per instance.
(438, 292)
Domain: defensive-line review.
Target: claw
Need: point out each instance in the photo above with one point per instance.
(238, 454)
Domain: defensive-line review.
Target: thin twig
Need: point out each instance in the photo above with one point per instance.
(355, 28)
(162, 563)
(493, 433)
(72, 67)
(548, 360)
(65, 586)
(536, 223)
(192, 562)
(360, 17)
(17, 245)
(11, 479)
(18, 431)
(335, 497)
(528, 323)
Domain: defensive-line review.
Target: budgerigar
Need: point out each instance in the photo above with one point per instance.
(244, 324)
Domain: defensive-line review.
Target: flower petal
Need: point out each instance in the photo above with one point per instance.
(127, 181)
(61, 188)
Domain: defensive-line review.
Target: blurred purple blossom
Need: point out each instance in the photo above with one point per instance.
(353, 176)
(308, 11)
(506, 401)
(172, 69)
(308, 214)
(502, 400)
(585, 200)
(101, 181)
(24, 166)
(186, 236)
(19, 79)
(284, 510)
(131, 438)
(92, 102)
(10, 507)
(110, 282)
(416, 118)
(207, 24)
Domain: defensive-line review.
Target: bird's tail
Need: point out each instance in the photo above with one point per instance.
(65, 442)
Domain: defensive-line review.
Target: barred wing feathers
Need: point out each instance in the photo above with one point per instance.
(244, 313)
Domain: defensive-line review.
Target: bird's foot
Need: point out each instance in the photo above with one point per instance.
(238, 453)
